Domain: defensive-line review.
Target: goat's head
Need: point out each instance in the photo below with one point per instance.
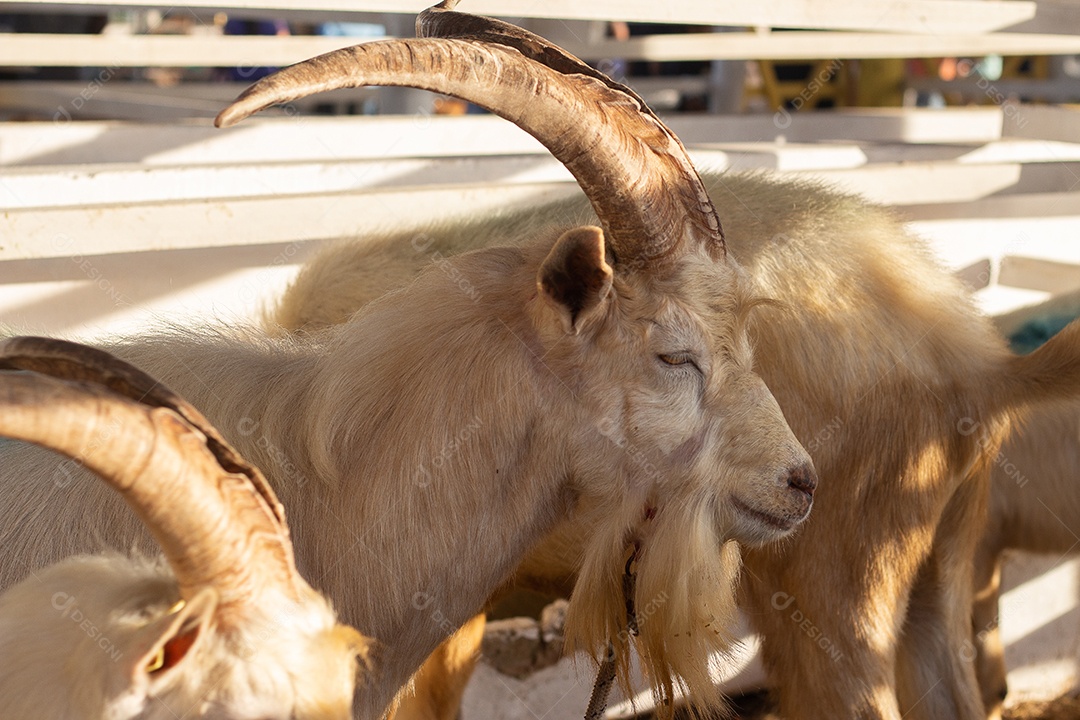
(642, 320)
(232, 632)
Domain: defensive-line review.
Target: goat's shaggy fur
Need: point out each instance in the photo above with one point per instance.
(899, 389)
(424, 446)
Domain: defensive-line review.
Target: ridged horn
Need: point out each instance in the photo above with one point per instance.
(213, 514)
(635, 172)
(442, 21)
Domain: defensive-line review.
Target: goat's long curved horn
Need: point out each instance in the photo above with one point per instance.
(635, 172)
(214, 515)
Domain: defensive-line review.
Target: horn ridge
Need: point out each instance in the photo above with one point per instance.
(444, 22)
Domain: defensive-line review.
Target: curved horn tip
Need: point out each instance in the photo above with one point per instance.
(230, 116)
(246, 104)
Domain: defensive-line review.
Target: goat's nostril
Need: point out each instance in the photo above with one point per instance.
(803, 478)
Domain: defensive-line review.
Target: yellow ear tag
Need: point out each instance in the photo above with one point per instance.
(158, 661)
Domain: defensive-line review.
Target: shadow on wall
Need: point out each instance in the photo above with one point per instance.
(74, 294)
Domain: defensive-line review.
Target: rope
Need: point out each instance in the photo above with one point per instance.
(605, 674)
(605, 678)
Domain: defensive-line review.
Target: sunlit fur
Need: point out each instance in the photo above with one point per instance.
(685, 598)
(75, 638)
(428, 695)
(424, 446)
(899, 389)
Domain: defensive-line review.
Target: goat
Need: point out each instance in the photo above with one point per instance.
(1033, 507)
(822, 390)
(596, 373)
(1033, 504)
(881, 365)
(224, 627)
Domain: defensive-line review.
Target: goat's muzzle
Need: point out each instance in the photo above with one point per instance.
(804, 479)
(801, 482)
(764, 517)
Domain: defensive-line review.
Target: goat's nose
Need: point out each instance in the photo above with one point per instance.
(803, 478)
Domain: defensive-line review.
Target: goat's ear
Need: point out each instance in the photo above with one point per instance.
(574, 278)
(164, 643)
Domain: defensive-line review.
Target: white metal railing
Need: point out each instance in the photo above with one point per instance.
(922, 16)
(969, 179)
(871, 29)
(46, 50)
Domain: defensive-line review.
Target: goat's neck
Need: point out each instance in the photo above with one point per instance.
(410, 499)
(447, 483)
(250, 389)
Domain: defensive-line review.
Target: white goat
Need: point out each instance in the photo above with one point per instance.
(225, 628)
(882, 367)
(423, 447)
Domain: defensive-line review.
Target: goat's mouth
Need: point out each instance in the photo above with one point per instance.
(781, 523)
(766, 526)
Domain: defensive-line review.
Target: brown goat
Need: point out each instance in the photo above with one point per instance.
(898, 388)
(1034, 505)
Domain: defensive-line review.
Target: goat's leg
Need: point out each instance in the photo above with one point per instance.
(935, 670)
(987, 648)
(989, 651)
(828, 637)
(437, 687)
(935, 667)
(831, 605)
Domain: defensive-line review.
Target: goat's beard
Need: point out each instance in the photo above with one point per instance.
(684, 600)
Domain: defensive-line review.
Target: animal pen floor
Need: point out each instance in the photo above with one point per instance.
(756, 706)
(1063, 708)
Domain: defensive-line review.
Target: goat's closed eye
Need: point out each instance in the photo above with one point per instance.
(679, 359)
